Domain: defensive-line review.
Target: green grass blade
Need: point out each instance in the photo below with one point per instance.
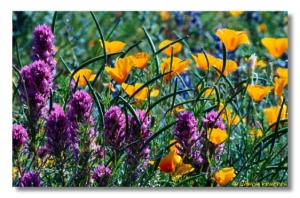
(132, 111)
(65, 64)
(148, 83)
(113, 29)
(18, 55)
(101, 37)
(99, 107)
(53, 22)
(130, 48)
(153, 50)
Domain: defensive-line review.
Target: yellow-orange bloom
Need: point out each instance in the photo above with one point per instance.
(223, 176)
(178, 109)
(140, 60)
(14, 172)
(168, 51)
(84, 72)
(231, 119)
(283, 73)
(169, 162)
(178, 66)
(228, 116)
(209, 92)
(236, 13)
(275, 46)
(273, 112)
(151, 162)
(232, 38)
(201, 61)
(142, 94)
(260, 63)
(217, 136)
(230, 66)
(110, 86)
(121, 69)
(262, 28)
(258, 92)
(112, 47)
(279, 84)
(256, 132)
(174, 148)
(165, 15)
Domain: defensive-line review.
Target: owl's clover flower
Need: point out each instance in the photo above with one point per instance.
(30, 179)
(20, 136)
(56, 130)
(43, 47)
(37, 83)
(139, 133)
(101, 175)
(114, 127)
(187, 136)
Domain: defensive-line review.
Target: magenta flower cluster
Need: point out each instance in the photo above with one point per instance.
(36, 88)
(30, 179)
(38, 76)
(43, 47)
(210, 120)
(56, 131)
(80, 108)
(20, 136)
(101, 175)
(139, 133)
(114, 127)
(187, 135)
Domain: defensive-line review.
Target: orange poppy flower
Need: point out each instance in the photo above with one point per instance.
(260, 63)
(232, 38)
(275, 46)
(165, 15)
(141, 95)
(283, 73)
(174, 148)
(279, 84)
(169, 162)
(217, 136)
(273, 112)
(201, 61)
(92, 44)
(209, 92)
(112, 47)
(121, 70)
(178, 66)
(223, 176)
(256, 132)
(230, 66)
(178, 109)
(258, 92)
(84, 72)
(140, 60)
(168, 51)
(236, 13)
(15, 172)
(183, 169)
(110, 86)
(262, 28)
(231, 119)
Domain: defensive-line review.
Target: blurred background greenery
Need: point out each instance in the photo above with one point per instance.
(77, 38)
